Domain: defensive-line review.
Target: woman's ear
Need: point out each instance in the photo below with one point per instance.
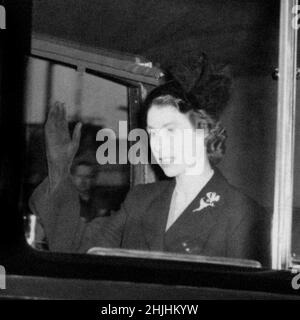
(202, 134)
(202, 131)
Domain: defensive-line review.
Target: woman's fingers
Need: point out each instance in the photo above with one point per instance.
(61, 112)
(76, 135)
(58, 131)
(62, 119)
(57, 116)
(51, 113)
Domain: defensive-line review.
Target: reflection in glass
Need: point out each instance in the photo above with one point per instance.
(97, 103)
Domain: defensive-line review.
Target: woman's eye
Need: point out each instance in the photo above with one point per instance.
(152, 133)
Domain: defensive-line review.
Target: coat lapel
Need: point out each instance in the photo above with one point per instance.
(191, 230)
(155, 217)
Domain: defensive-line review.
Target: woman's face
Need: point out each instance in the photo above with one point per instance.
(175, 144)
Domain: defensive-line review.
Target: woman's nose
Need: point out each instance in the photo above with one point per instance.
(155, 144)
(162, 145)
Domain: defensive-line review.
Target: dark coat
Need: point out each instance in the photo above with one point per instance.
(234, 227)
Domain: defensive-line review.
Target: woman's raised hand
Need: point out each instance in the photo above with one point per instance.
(61, 148)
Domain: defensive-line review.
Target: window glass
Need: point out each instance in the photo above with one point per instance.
(96, 102)
(229, 214)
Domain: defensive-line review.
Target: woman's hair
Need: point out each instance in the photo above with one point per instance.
(202, 96)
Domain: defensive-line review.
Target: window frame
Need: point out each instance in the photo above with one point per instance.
(285, 140)
(32, 274)
(134, 72)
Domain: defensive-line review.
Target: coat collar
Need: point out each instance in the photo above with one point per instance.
(155, 218)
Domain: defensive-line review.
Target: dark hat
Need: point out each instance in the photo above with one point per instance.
(195, 81)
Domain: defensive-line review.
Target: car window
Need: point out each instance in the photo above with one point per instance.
(102, 74)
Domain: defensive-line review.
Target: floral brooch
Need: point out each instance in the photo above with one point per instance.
(210, 200)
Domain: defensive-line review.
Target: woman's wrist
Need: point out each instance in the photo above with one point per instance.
(57, 174)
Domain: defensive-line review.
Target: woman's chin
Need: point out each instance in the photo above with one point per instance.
(172, 170)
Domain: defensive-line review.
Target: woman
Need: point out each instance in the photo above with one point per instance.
(198, 212)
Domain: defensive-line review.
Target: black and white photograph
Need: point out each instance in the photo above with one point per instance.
(149, 153)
